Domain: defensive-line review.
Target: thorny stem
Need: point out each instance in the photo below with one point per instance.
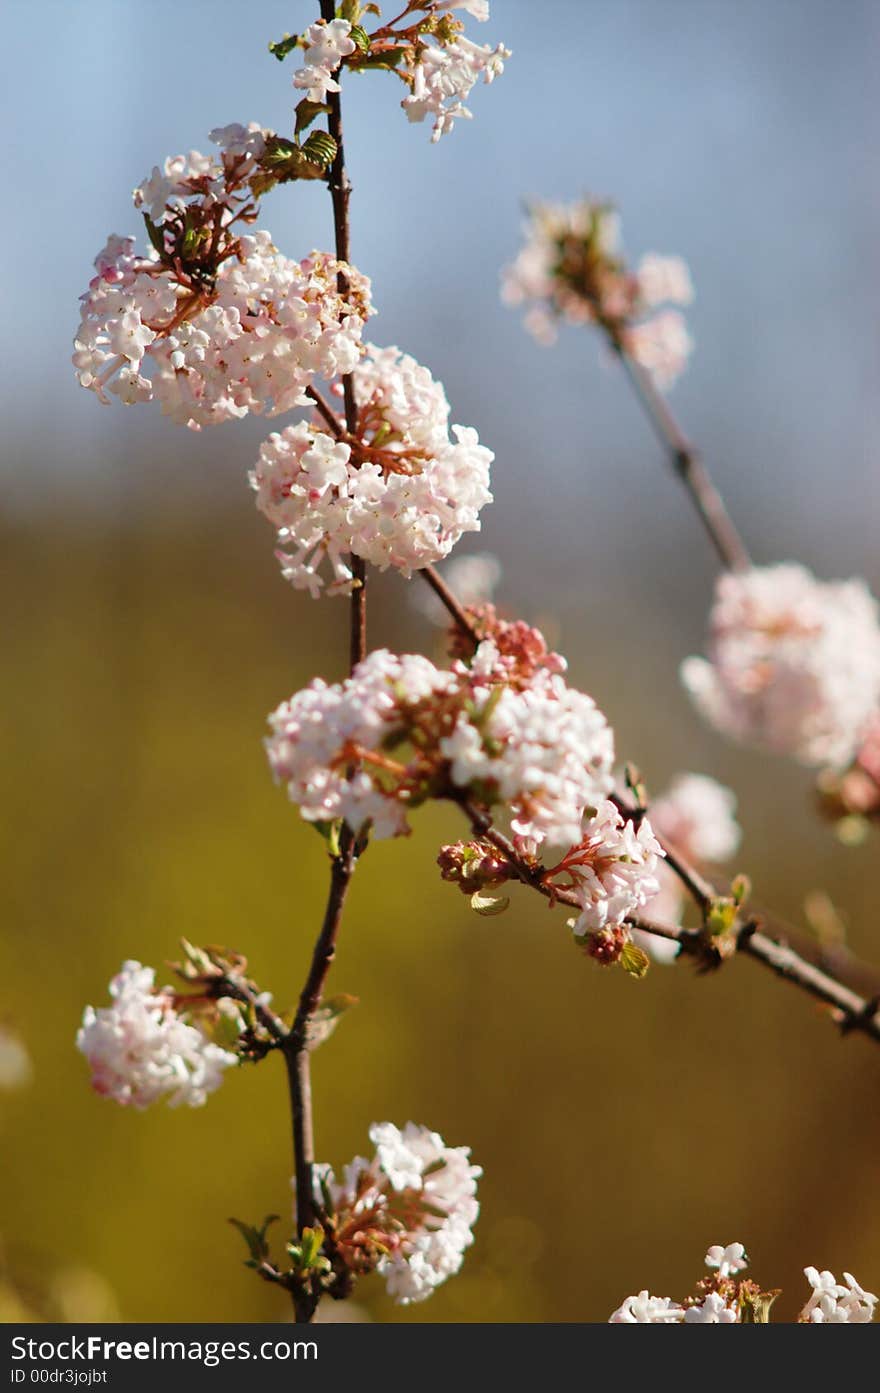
(296, 1044)
(686, 461)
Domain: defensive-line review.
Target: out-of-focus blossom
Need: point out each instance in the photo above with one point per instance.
(141, 1048)
(571, 270)
(793, 663)
(16, 1069)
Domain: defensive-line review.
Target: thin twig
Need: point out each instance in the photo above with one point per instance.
(853, 1011)
(685, 460)
(450, 602)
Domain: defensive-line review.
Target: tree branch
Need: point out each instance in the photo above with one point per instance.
(852, 1011)
(296, 1045)
(685, 460)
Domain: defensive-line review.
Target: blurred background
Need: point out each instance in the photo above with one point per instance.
(623, 1126)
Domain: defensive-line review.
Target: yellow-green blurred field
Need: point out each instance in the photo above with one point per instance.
(623, 1127)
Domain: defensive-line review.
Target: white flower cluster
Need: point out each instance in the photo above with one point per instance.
(326, 44)
(443, 77)
(251, 343)
(401, 494)
(829, 1302)
(614, 870)
(441, 70)
(415, 1201)
(794, 663)
(545, 749)
(833, 1304)
(181, 176)
(698, 816)
(318, 734)
(140, 1049)
(570, 270)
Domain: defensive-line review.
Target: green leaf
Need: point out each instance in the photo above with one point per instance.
(306, 1255)
(721, 915)
(634, 960)
(284, 46)
(489, 905)
(388, 58)
(320, 148)
(307, 112)
(154, 232)
(360, 37)
(327, 1017)
(741, 889)
(255, 1238)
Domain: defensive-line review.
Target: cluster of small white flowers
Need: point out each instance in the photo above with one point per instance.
(712, 1310)
(698, 816)
(170, 185)
(401, 495)
(140, 1049)
(615, 874)
(418, 1197)
(314, 732)
(546, 750)
(830, 1301)
(443, 77)
(645, 1309)
(567, 245)
(833, 1304)
(727, 1260)
(794, 663)
(326, 44)
(253, 344)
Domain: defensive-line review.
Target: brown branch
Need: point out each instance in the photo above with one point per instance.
(296, 1046)
(685, 460)
(853, 1011)
(450, 602)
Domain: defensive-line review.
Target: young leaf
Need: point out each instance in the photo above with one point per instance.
(327, 1016)
(307, 112)
(255, 1238)
(282, 47)
(488, 905)
(634, 960)
(320, 148)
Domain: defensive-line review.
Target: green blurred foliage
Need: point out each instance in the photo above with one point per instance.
(623, 1126)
